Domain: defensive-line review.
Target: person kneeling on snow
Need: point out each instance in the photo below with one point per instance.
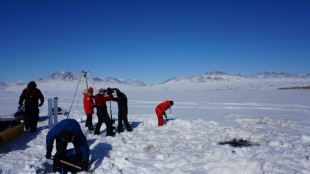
(67, 131)
(161, 110)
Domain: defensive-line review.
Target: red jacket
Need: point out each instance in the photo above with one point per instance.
(88, 104)
(164, 106)
(101, 99)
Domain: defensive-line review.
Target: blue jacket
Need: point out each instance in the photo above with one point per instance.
(74, 127)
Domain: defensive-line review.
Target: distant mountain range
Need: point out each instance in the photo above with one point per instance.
(3, 85)
(72, 77)
(209, 80)
(222, 76)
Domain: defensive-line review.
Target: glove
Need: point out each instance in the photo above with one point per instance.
(20, 109)
(40, 104)
(48, 153)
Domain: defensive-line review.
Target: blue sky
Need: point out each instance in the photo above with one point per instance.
(152, 40)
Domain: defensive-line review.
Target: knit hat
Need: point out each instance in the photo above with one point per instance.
(90, 89)
(171, 102)
(32, 84)
(101, 91)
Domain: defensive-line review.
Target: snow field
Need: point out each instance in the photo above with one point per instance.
(276, 122)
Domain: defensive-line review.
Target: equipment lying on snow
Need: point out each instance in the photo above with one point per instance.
(10, 128)
(20, 114)
(61, 111)
(238, 143)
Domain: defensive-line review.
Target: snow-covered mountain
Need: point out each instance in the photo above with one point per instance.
(207, 77)
(306, 75)
(3, 85)
(60, 76)
(218, 80)
(19, 83)
(213, 80)
(69, 77)
(133, 82)
(222, 76)
(274, 75)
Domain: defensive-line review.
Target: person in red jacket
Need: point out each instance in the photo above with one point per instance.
(161, 110)
(102, 113)
(31, 95)
(89, 107)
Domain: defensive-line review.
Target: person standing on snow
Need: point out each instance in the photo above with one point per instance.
(122, 111)
(67, 131)
(102, 112)
(89, 105)
(161, 110)
(31, 95)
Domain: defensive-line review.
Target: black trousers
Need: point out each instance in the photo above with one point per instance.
(122, 117)
(61, 148)
(31, 118)
(89, 120)
(103, 116)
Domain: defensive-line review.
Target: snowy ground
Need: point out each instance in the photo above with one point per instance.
(276, 122)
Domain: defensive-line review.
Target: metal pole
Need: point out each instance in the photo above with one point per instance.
(74, 96)
(85, 72)
(55, 110)
(50, 113)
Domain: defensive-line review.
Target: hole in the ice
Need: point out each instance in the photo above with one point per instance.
(238, 143)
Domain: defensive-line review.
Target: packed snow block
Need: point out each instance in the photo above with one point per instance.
(238, 143)
(10, 128)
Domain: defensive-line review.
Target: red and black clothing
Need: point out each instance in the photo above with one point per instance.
(161, 110)
(102, 114)
(31, 95)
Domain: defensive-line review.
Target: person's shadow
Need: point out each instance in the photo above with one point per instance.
(134, 124)
(98, 153)
(168, 119)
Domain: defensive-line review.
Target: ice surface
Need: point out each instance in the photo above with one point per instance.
(277, 120)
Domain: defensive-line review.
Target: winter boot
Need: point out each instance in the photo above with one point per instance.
(120, 128)
(96, 132)
(33, 129)
(128, 128)
(91, 128)
(57, 167)
(112, 134)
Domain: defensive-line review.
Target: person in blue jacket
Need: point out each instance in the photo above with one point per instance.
(67, 131)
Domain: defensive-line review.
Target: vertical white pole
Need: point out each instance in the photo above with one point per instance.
(50, 114)
(55, 110)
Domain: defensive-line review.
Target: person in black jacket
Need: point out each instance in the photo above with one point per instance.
(122, 111)
(31, 95)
